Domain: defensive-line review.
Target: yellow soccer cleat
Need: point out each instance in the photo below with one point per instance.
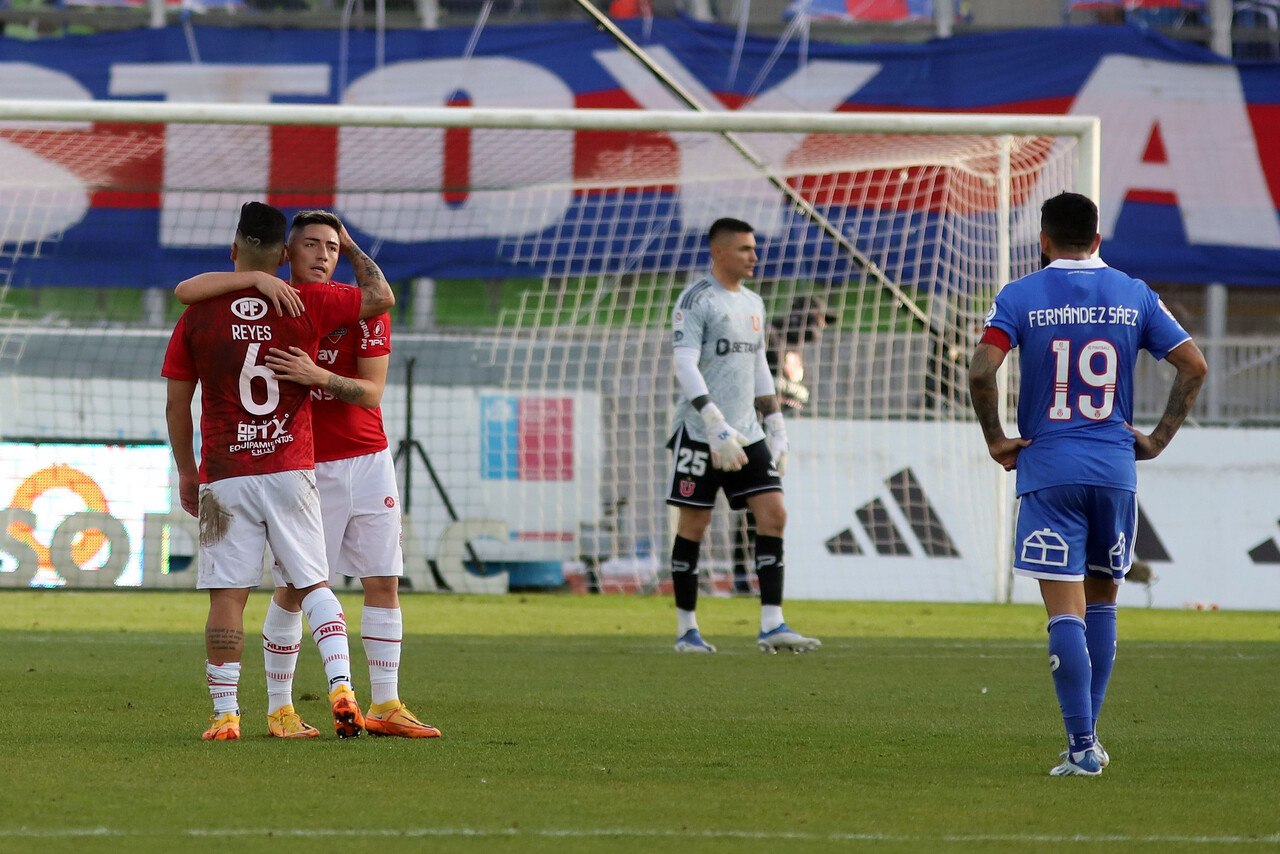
(396, 719)
(225, 728)
(284, 722)
(347, 720)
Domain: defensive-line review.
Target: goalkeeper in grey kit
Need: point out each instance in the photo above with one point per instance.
(718, 335)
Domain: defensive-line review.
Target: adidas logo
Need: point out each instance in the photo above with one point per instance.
(886, 538)
(1265, 552)
(931, 534)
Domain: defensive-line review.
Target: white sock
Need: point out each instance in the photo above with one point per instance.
(329, 630)
(685, 620)
(224, 686)
(281, 640)
(770, 617)
(382, 632)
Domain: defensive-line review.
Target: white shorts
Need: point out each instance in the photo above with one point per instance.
(360, 506)
(240, 516)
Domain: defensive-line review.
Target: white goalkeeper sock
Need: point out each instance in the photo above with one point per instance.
(382, 632)
(329, 630)
(224, 686)
(685, 620)
(281, 640)
(770, 617)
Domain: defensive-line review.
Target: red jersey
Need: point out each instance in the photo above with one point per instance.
(252, 423)
(344, 430)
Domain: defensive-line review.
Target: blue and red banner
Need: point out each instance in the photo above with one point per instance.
(1190, 169)
(526, 438)
(855, 11)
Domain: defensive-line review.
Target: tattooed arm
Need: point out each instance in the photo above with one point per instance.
(985, 394)
(365, 390)
(1189, 361)
(376, 295)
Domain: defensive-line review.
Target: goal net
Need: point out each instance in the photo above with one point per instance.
(536, 256)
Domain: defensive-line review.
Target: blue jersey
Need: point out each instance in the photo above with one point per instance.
(1079, 326)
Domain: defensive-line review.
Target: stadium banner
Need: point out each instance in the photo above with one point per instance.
(1190, 175)
(104, 513)
(77, 514)
(1207, 517)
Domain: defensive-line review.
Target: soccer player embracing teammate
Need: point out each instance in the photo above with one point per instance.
(355, 475)
(255, 484)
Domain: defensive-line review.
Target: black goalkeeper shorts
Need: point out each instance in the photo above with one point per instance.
(694, 481)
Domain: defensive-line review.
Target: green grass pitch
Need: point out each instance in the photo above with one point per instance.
(570, 725)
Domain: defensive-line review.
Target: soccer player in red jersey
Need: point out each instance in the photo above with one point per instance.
(255, 484)
(359, 497)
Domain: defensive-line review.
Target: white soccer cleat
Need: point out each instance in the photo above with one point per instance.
(784, 637)
(691, 641)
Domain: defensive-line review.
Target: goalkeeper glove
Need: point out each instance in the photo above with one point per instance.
(726, 443)
(775, 435)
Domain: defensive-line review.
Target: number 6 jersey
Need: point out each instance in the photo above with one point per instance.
(1078, 327)
(252, 423)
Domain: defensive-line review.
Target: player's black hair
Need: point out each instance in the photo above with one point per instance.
(727, 225)
(261, 226)
(1070, 220)
(302, 219)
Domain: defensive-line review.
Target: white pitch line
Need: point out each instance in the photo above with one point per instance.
(638, 833)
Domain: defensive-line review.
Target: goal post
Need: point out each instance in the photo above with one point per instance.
(883, 238)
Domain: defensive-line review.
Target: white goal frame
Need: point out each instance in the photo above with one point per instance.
(729, 124)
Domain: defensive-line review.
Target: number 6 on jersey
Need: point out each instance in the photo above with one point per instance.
(248, 372)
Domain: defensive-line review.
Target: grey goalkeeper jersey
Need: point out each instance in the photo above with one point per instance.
(727, 328)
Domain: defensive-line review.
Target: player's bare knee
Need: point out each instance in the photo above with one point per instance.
(693, 523)
(381, 591)
(771, 517)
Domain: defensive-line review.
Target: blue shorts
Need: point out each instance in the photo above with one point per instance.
(1067, 532)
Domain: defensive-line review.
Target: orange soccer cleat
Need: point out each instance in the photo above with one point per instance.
(394, 718)
(347, 720)
(225, 728)
(284, 722)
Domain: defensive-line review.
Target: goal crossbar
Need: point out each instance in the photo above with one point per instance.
(1086, 128)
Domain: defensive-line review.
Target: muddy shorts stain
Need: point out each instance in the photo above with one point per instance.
(214, 519)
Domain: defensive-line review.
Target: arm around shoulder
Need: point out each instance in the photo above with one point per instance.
(208, 285)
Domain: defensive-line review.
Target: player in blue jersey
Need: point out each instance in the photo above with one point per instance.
(1078, 325)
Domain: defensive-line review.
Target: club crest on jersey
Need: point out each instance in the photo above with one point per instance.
(686, 488)
(249, 308)
(336, 335)
(389, 501)
(755, 322)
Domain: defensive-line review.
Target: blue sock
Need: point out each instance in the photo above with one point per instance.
(1069, 659)
(1100, 635)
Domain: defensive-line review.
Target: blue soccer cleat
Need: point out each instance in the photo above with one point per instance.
(784, 637)
(691, 641)
(1104, 758)
(1087, 765)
